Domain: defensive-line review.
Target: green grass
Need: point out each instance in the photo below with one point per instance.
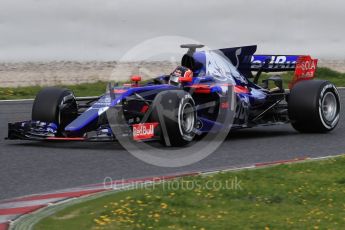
(97, 88)
(321, 73)
(306, 195)
(80, 90)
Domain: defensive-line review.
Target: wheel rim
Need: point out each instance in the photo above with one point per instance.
(187, 119)
(329, 107)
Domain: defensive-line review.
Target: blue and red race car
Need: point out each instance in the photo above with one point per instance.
(197, 98)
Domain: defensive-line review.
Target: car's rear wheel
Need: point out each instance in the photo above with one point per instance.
(176, 114)
(314, 106)
(55, 105)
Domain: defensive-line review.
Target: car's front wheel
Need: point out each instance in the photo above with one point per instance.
(175, 111)
(55, 105)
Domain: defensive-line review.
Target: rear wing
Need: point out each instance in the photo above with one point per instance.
(273, 63)
(303, 65)
(246, 61)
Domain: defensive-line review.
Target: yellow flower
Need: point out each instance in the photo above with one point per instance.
(164, 205)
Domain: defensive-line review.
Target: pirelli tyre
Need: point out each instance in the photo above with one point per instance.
(175, 112)
(314, 106)
(55, 105)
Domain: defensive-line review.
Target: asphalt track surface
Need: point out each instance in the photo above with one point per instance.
(33, 167)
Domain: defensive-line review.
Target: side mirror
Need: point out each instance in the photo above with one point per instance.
(136, 79)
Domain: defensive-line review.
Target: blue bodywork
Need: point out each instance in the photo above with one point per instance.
(214, 69)
(103, 104)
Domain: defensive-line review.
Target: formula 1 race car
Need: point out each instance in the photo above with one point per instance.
(193, 100)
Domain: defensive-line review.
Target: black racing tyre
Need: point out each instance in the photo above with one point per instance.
(56, 105)
(175, 112)
(314, 106)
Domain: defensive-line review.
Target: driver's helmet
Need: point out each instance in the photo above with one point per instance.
(181, 75)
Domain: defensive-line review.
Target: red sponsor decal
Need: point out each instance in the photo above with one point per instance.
(224, 105)
(119, 91)
(241, 89)
(202, 88)
(144, 131)
(305, 69)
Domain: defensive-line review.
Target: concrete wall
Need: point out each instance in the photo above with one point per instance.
(54, 73)
(71, 72)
